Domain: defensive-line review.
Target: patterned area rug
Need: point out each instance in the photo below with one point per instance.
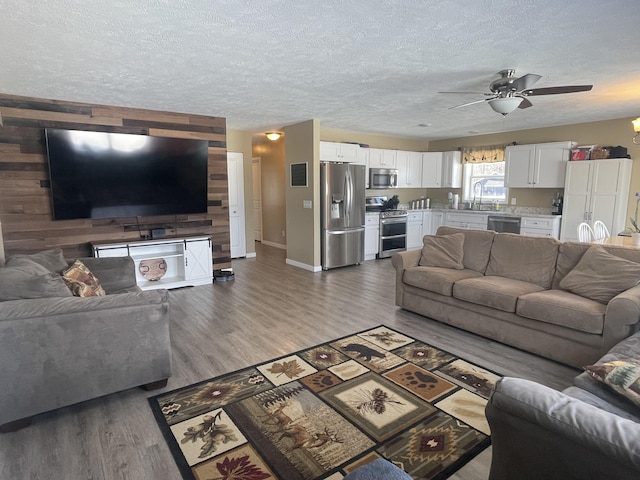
(322, 412)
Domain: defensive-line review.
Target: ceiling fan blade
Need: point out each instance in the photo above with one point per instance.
(558, 90)
(474, 93)
(525, 82)
(469, 103)
(525, 103)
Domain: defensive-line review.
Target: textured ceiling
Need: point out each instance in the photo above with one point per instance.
(362, 65)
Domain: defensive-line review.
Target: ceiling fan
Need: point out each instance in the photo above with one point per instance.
(510, 92)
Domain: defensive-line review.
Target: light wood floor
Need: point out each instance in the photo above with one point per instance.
(268, 310)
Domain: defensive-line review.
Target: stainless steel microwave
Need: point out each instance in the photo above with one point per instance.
(383, 178)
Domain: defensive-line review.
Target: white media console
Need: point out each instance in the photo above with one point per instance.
(187, 259)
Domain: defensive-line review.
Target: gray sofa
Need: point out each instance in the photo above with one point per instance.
(588, 431)
(537, 294)
(57, 349)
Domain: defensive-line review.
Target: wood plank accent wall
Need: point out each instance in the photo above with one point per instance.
(25, 198)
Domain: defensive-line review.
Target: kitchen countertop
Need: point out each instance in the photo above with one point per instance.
(510, 213)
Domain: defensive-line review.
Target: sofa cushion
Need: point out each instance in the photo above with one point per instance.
(563, 308)
(436, 279)
(600, 276)
(529, 259)
(477, 246)
(81, 281)
(444, 251)
(52, 260)
(495, 292)
(603, 404)
(116, 274)
(622, 376)
(30, 280)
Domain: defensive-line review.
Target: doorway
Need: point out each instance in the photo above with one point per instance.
(256, 172)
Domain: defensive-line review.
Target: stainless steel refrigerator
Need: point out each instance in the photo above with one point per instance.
(342, 206)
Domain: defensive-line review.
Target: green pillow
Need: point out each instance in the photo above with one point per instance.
(622, 376)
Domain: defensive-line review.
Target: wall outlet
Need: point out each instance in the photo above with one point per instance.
(513, 201)
(306, 204)
(283, 233)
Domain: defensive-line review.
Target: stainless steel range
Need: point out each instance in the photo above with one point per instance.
(393, 232)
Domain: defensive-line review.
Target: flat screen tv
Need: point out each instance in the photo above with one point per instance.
(110, 175)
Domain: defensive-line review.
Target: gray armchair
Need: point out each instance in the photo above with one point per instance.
(61, 350)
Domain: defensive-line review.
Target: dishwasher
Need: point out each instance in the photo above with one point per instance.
(503, 224)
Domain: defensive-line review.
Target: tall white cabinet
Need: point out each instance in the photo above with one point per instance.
(595, 190)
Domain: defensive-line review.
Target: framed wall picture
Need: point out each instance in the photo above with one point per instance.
(299, 174)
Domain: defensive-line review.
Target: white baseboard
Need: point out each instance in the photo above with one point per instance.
(272, 244)
(304, 266)
(251, 255)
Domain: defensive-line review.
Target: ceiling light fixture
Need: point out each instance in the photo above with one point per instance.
(636, 128)
(273, 136)
(505, 105)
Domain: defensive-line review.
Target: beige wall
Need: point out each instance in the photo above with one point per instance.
(273, 189)
(610, 132)
(240, 141)
(303, 224)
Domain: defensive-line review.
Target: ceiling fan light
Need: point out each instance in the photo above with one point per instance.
(505, 105)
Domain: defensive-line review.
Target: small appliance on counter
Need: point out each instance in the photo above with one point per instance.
(556, 205)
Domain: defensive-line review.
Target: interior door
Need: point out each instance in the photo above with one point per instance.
(235, 174)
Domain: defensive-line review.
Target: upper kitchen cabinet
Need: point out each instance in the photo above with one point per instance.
(432, 169)
(339, 152)
(541, 165)
(442, 169)
(382, 158)
(452, 169)
(409, 165)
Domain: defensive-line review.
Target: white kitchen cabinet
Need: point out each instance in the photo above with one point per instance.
(437, 220)
(187, 260)
(541, 165)
(382, 158)
(540, 226)
(371, 235)
(427, 227)
(475, 221)
(595, 190)
(414, 230)
(362, 158)
(431, 169)
(339, 152)
(409, 165)
(441, 169)
(452, 169)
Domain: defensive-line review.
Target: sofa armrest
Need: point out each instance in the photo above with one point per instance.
(538, 432)
(401, 261)
(114, 273)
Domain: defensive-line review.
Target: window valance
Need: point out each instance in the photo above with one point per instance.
(483, 154)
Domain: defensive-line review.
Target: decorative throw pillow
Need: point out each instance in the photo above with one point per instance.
(600, 276)
(443, 251)
(623, 376)
(30, 281)
(52, 260)
(81, 281)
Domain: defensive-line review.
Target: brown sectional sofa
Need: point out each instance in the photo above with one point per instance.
(510, 289)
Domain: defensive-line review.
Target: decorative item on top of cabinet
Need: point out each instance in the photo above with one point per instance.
(409, 165)
(540, 165)
(339, 152)
(595, 190)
